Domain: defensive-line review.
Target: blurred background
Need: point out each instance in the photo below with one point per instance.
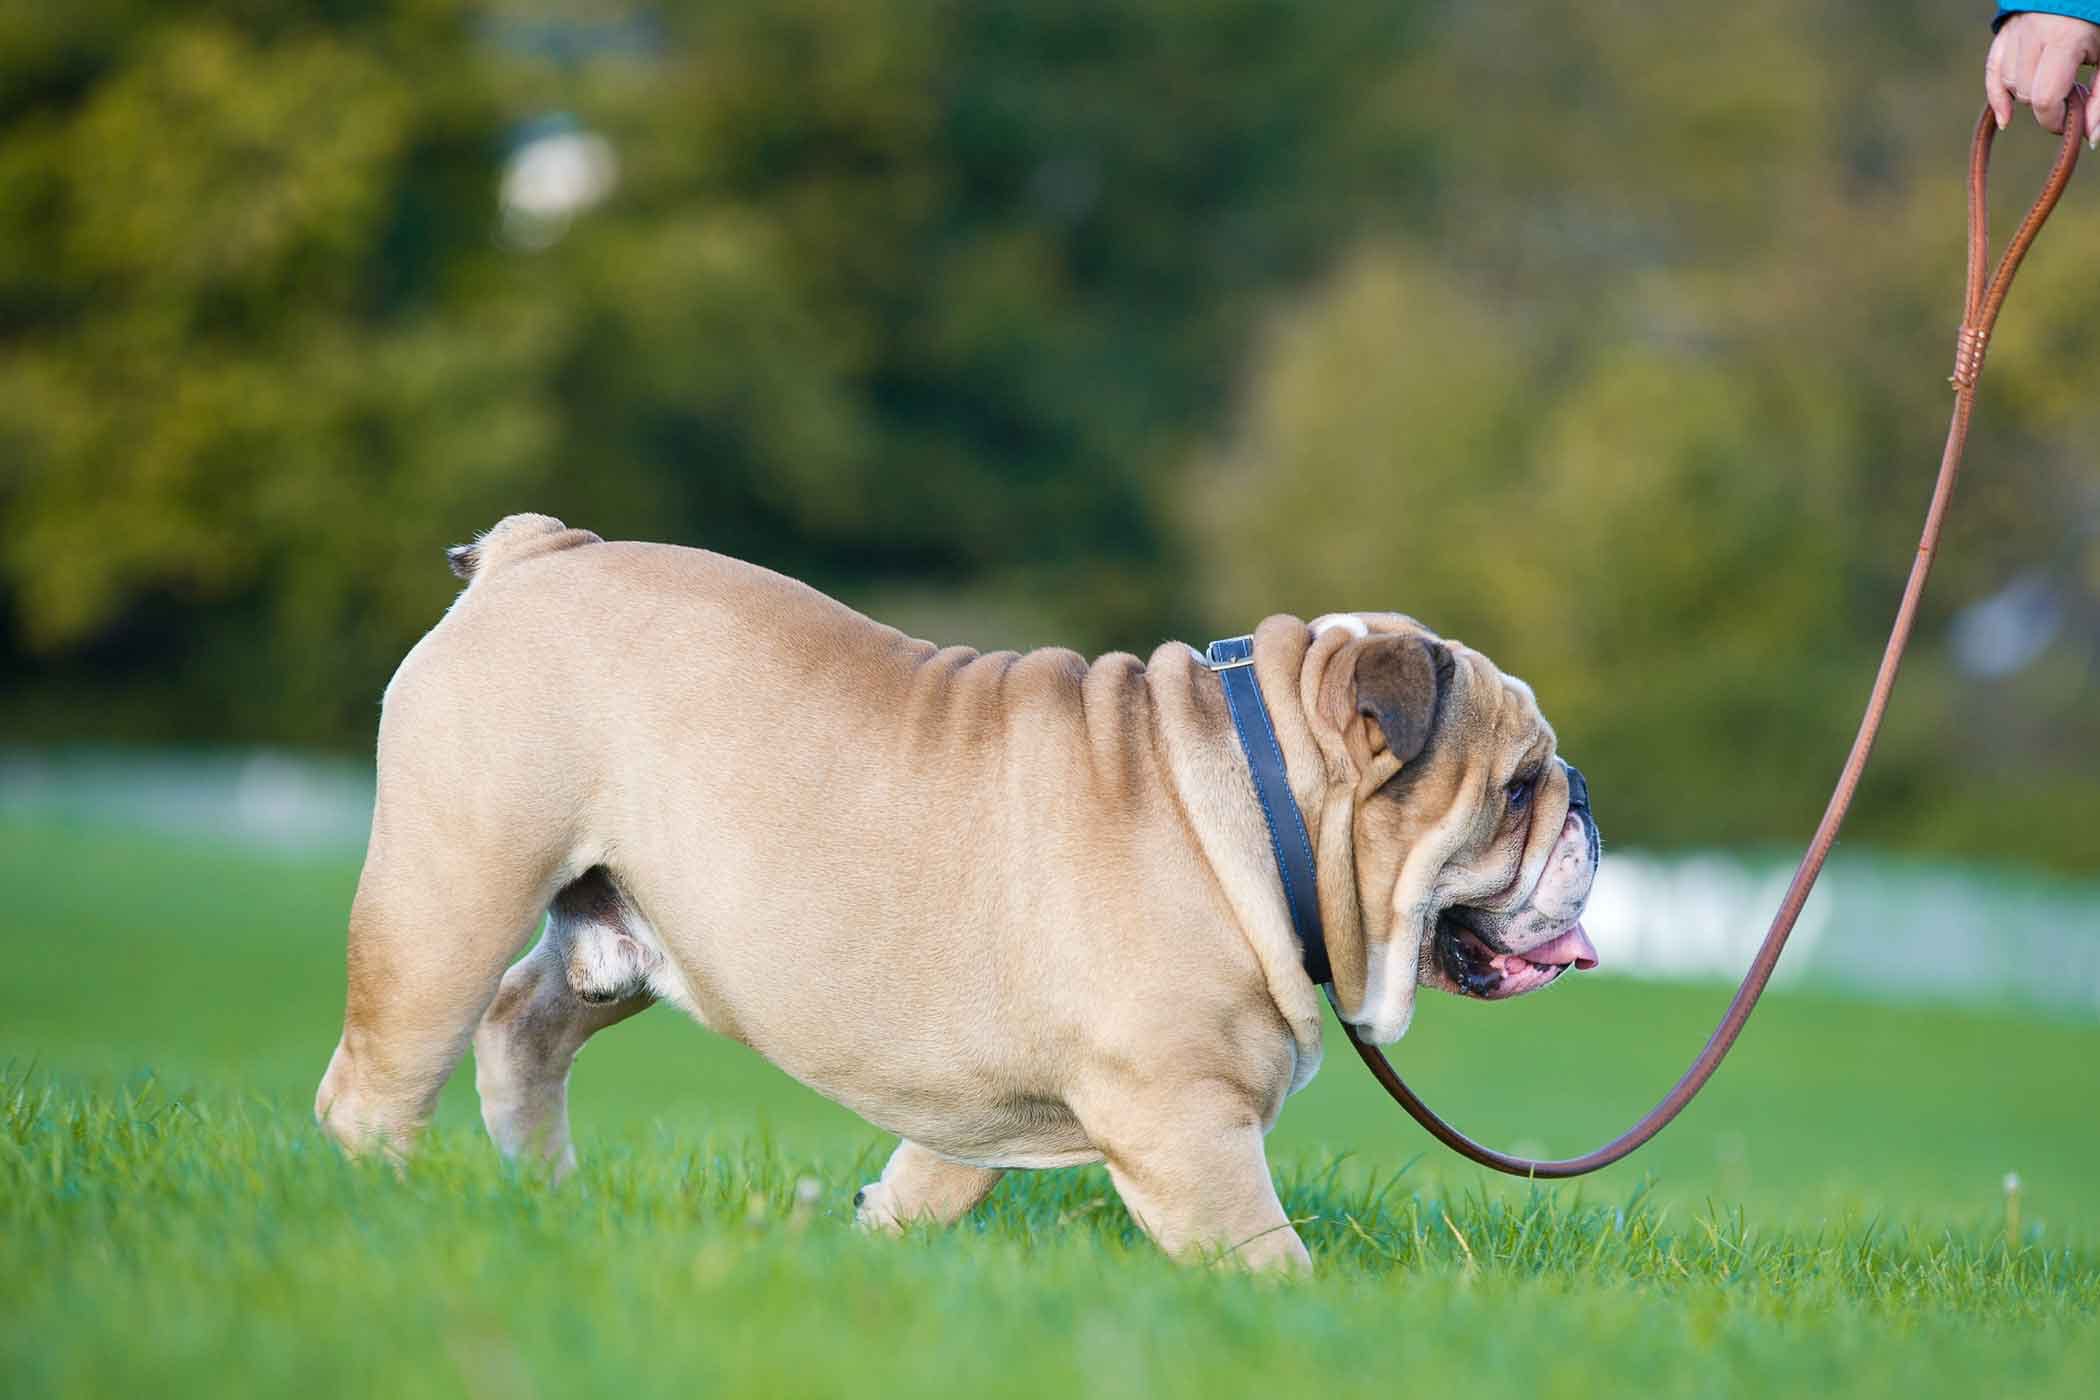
(1611, 339)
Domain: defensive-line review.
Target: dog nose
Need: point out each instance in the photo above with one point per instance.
(1578, 788)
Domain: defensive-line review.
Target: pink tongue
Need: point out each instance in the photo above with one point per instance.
(1571, 947)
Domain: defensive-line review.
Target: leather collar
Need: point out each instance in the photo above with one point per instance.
(1232, 658)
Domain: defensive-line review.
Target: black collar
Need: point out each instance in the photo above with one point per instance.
(1233, 660)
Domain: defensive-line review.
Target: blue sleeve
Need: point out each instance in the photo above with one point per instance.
(2087, 10)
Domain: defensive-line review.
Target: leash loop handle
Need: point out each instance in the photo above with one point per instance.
(1981, 304)
(1983, 300)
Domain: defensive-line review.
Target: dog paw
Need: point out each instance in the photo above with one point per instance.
(872, 1210)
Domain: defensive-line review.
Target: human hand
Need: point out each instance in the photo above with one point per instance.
(2035, 59)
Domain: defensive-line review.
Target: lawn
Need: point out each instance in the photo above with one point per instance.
(1829, 1218)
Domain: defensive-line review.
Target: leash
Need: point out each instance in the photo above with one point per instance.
(1980, 309)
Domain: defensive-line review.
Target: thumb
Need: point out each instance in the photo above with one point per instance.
(2092, 112)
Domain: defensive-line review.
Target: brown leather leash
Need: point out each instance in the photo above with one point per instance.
(1979, 314)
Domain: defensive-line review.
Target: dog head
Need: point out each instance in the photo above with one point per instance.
(1452, 830)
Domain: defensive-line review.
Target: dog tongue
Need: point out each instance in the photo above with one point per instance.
(1571, 947)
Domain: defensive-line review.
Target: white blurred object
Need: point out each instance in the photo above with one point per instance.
(552, 176)
(1697, 916)
(2005, 632)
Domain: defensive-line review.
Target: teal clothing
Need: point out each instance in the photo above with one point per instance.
(2087, 10)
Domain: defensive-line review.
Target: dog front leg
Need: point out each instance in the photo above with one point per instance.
(1199, 1185)
(921, 1185)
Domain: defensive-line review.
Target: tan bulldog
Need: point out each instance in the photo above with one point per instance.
(1020, 910)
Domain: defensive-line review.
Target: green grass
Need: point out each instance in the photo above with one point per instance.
(1829, 1218)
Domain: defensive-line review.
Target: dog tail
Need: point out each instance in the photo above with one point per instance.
(512, 538)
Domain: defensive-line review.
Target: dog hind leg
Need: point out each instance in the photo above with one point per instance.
(588, 972)
(429, 939)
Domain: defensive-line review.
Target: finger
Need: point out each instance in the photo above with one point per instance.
(2092, 113)
(2016, 67)
(1995, 91)
(2054, 72)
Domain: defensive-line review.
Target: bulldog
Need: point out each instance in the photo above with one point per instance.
(1020, 910)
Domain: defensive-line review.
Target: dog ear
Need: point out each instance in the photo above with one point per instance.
(1401, 682)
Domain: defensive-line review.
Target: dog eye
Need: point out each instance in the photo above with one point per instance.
(1518, 791)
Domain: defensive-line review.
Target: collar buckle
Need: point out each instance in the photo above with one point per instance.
(1227, 654)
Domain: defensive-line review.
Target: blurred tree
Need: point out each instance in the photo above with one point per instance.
(1607, 340)
(1649, 411)
(1606, 525)
(240, 401)
(892, 295)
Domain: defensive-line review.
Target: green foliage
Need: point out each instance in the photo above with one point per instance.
(1648, 411)
(890, 293)
(238, 407)
(1609, 342)
(1511, 517)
